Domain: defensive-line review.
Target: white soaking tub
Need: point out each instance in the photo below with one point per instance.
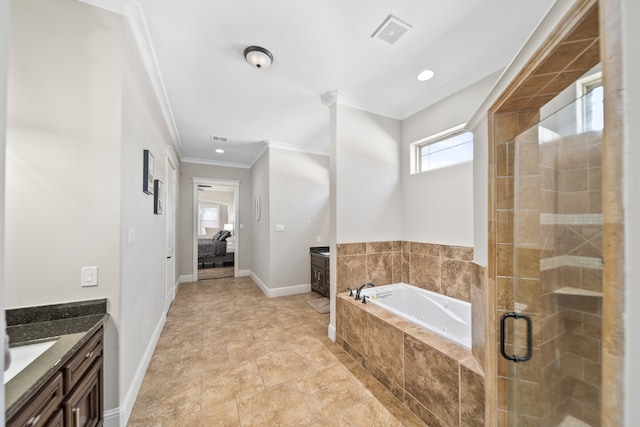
(446, 316)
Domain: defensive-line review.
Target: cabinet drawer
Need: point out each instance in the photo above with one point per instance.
(320, 261)
(42, 406)
(83, 359)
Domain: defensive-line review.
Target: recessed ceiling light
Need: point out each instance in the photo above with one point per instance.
(219, 150)
(425, 75)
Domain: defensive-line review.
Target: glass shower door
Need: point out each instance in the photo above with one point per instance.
(552, 336)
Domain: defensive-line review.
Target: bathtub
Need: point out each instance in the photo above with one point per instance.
(446, 316)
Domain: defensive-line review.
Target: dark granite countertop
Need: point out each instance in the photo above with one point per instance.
(320, 250)
(71, 325)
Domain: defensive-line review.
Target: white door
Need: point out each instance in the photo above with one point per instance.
(171, 231)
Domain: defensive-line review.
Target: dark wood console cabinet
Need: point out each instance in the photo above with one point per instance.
(73, 397)
(320, 274)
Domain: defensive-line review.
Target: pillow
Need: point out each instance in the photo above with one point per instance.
(210, 231)
(217, 235)
(224, 234)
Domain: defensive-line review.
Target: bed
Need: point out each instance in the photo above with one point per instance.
(215, 249)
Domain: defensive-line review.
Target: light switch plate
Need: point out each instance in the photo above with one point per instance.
(279, 227)
(88, 276)
(131, 236)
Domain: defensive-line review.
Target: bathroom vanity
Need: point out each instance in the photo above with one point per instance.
(62, 386)
(320, 270)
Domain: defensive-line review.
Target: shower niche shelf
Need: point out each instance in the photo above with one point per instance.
(568, 290)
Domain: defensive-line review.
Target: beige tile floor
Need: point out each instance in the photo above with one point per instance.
(229, 356)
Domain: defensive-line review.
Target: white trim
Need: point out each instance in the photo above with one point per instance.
(298, 148)
(119, 416)
(256, 156)
(198, 161)
(138, 24)
(244, 273)
(343, 98)
(115, 6)
(279, 292)
(194, 230)
(331, 332)
(185, 278)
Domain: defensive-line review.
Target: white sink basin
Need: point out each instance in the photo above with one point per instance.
(22, 356)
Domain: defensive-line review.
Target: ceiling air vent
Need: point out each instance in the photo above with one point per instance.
(391, 30)
(218, 138)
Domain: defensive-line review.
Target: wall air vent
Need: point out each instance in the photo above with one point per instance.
(391, 30)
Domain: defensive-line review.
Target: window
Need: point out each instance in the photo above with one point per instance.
(591, 112)
(208, 217)
(448, 148)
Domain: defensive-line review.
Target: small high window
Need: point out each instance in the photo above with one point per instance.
(448, 148)
(591, 110)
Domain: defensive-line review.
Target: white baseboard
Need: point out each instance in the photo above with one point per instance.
(279, 292)
(244, 273)
(184, 279)
(332, 332)
(118, 417)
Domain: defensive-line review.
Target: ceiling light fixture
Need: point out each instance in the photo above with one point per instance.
(219, 150)
(258, 56)
(425, 75)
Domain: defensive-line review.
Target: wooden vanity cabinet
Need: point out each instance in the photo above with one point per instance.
(44, 408)
(74, 396)
(320, 274)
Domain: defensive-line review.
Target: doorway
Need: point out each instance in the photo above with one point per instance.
(216, 235)
(170, 218)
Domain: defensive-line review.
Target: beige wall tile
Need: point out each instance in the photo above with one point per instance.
(471, 398)
(456, 279)
(425, 272)
(424, 365)
(379, 268)
(351, 272)
(351, 249)
(378, 247)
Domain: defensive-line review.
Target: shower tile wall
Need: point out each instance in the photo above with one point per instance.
(557, 256)
(571, 232)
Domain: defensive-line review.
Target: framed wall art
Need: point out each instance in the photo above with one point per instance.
(158, 204)
(147, 173)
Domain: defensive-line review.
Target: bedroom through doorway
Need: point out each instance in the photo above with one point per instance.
(215, 229)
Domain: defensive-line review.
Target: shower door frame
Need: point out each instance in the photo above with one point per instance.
(506, 118)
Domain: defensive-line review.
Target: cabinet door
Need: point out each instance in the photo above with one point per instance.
(41, 407)
(83, 407)
(321, 282)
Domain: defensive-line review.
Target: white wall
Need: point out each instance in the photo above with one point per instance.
(299, 200)
(185, 227)
(4, 44)
(368, 178)
(438, 204)
(63, 159)
(631, 70)
(143, 269)
(260, 255)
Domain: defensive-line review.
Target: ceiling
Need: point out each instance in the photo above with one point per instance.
(318, 46)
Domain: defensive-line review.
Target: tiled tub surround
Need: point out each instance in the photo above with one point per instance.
(446, 316)
(71, 323)
(443, 269)
(434, 377)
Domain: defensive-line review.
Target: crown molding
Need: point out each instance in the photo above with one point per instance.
(297, 148)
(258, 153)
(134, 14)
(340, 97)
(115, 6)
(198, 161)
